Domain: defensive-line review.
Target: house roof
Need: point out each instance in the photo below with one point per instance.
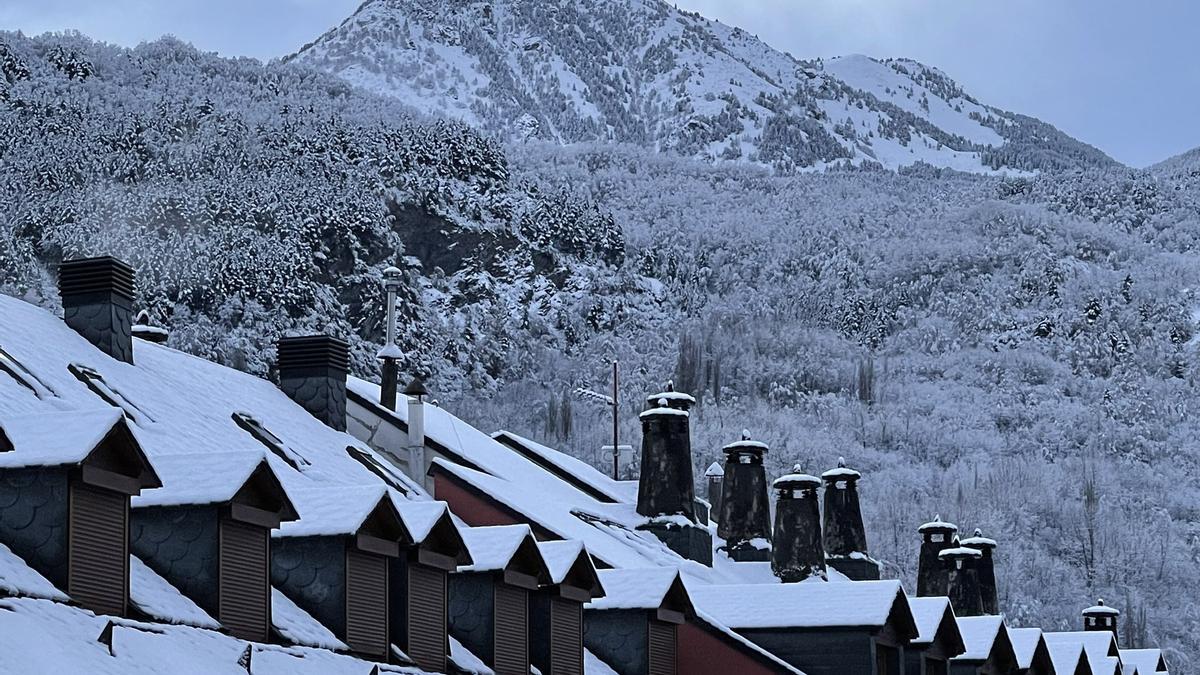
(503, 547)
(813, 604)
(1147, 661)
(334, 510)
(55, 438)
(648, 588)
(1025, 642)
(1098, 644)
(979, 636)
(1064, 655)
(931, 614)
(200, 477)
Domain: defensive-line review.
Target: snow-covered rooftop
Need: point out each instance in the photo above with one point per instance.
(332, 510)
(1098, 644)
(55, 438)
(804, 605)
(492, 548)
(928, 614)
(1146, 661)
(559, 557)
(1025, 642)
(979, 633)
(937, 524)
(199, 477)
(635, 588)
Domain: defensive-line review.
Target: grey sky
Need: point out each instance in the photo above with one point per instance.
(1121, 75)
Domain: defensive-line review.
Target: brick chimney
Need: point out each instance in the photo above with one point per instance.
(936, 536)
(797, 552)
(744, 519)
(986, 570)
(962, 580)
(97, 299)
(845, 537)
(312, 372)
(1101, 617)
(666, 496)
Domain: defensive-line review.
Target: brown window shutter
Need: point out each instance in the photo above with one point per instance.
(98, 559)
(511, 631)
(566, 637)
(243, 584)
(427, 617)
(366, 603)
(662, 648)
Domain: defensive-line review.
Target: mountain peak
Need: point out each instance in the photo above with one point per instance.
(645, 72)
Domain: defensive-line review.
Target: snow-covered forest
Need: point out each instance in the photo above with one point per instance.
(1015, 354)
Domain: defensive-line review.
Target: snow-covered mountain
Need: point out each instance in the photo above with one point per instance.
(645, 72)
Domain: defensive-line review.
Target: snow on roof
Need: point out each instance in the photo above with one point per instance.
(1024, 643)
(40, 636)
(841, 472)
(594, 666)
(796, 480)
(331, 510)
(420, 517)
(1098, 644)
(960, 552)
(928, 613)
(937, 524)
(1101, 608)
(298, 626)
(560, 556)
(815, 605)
(746, 444)
(1146, 661)
(183, 404)
(671, 395)
(714, 469)
(662, 409)
(979, 633)
(1109, 665)
(199, 477)
(158, 599)
(1064, 655)
(576, 469)
(644, 588)
(977, 540)
(465, 661)
(55, 438)
(492, 548)
(19, 579)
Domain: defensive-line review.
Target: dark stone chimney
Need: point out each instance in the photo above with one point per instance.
(744, 520)
(666, 496)
(97, 299)
(845, 536)
(962, 579)
(665, 484)
(936, 537)
(1101, 617)
(797, 552)
(986, 571)
(312, 372)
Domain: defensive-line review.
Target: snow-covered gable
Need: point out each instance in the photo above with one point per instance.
(503, 547)
(1064, 655)
(1099, 645)
(55, 438)
(1025, 642)
(335, 510)
(161, 601)
(21, 580)
(979, 636)
(804, 605)
(1146, 661)
(199, 477)
(929, 614)
(645, 588)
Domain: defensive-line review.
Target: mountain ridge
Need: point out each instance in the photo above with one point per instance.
(644, 72)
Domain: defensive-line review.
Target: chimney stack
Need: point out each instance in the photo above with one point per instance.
(744, 520)
(986, 571)
(312, 372)
(797, 552)
(665, 483)
(418, 456)
(666, 495)
(845, 537)
(936, 537)
(1101, 617)
(390, 354)
(97, 299)
(962, 582)
(714, 476)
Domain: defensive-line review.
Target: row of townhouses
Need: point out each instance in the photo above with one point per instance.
(160, 513)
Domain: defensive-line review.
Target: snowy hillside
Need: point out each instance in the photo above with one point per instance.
(644, 72)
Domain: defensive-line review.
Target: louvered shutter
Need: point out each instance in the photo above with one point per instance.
(566, 637)
(366, 603)
(244, 605)
(662, 648)
(427, 617)
(98, 559)
(512, 631)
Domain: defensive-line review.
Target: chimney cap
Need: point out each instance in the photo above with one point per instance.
(82, 276)
(416, 388)
(979, 541)
(308, 351)
(960, 552)
(937, 525)
(714, 470)
(393, 279)
(390, 351)
(841, 472)
(661, 410)
(745, 444)
(793, 481)
(1101, 608)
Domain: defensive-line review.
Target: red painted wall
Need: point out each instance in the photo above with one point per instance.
(474, 510)
(701, 653)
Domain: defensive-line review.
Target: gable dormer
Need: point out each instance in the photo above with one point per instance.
(557, 609)
(489, 599)
(66, 485)
(208, 532)
(420, 583)
(333, 562)
(634, 627)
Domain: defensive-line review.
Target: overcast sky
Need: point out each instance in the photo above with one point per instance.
(1123, 75)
